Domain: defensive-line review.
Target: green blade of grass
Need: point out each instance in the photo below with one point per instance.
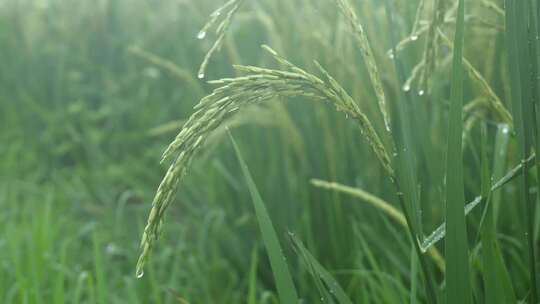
(284, 283)
(498, 286)
(328, 286)
(499, 164)
(519, 64)
(534, 39)
(458, 289)
(252, 289)
(404, 162)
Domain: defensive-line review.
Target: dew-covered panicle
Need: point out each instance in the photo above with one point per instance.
(367, 54)
(228, 10)
(233, 94)
(345, 103)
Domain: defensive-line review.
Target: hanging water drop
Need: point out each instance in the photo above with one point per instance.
(387, 126)
(406, 87)
(201, 75)
(201, 35)
(139, 273)
(391, 54)
(421, 92)
(414, 37)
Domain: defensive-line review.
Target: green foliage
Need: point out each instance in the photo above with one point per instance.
(458, 288)
(285, 286)
(92, 91)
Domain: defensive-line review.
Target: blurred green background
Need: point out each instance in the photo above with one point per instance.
(84, 119)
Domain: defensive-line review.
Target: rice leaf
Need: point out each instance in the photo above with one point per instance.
(284, 283)
(328, 286)
(458, 289)
(498, 287)
(517, 44)
(252, 289)
(405, 181)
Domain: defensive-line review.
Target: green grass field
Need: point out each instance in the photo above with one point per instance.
(315, 171)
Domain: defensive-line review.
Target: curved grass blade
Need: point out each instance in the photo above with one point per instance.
(328, 286)
(284, 283)
(458, 289)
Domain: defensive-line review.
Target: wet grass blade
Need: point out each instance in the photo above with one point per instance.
(498, 287)
(284, 283)
(517, 44)
(328, 286)
(252, 289)
(404, 162)
(458, 289)
(439, 233)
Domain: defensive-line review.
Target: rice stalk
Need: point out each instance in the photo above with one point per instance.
(418, 16)
(414, 74)
(406, 180)
(493, 7)
(431, 44)
(407, 40)
(259, 85)
(228, 9)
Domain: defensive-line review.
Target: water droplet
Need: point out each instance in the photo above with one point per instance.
(201, 75)
(139, 273)
(505, 130)
(391, 54)
(215, 14)
(421, 92)
(201, 35)
(151, 72)
(414, 37)
(387, 126)
(406, 87)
